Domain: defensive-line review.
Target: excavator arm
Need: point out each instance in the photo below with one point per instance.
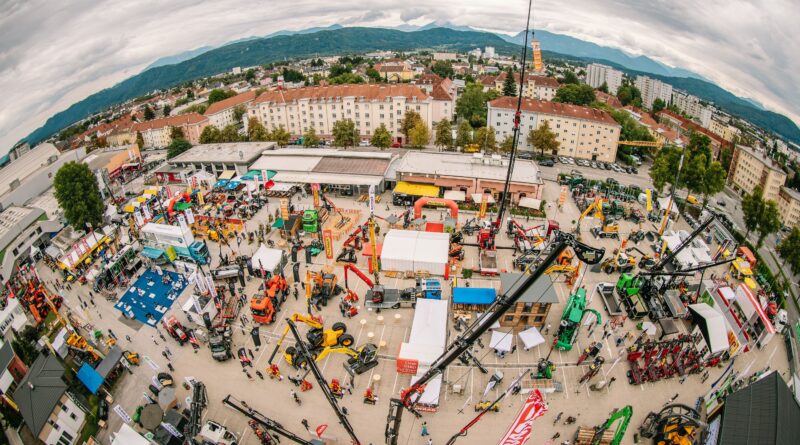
(355, 270)
(597, 207)
(270, 425)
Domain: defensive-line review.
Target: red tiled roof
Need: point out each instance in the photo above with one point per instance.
(538, 80)
(429, 78)
(687, 125)
(171, 121)
(555, 108)
(609, 99)
(488, 80)
(230, 102)
(440, 92)
(368, 91)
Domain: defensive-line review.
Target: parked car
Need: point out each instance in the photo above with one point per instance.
(562, 160)
(396, 145)
(363, 144)
(593, 164)
(571, 161)
(612, 181)
(525, 155)
(547, 163)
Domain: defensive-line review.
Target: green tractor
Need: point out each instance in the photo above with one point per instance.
(311, 221)
(629, 291)
(571, 320)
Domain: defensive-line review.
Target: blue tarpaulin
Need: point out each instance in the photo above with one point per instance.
(152, 253)
(474, 295)
(221, 183)
(149, 298)
(232, 185)
(90, 378)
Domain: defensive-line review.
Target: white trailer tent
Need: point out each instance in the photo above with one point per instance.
(713, 329)
(271, 260)
(168, 235)
(428, 337)
(412, 251)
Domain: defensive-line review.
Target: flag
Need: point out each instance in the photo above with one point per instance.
(520, 430)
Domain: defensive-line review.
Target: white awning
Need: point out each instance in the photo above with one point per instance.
(455, 195)
(530, 203)
(478, 197)
(327, 178)
(531, 338)
(715, 329)
(501, 341)
(282, 187)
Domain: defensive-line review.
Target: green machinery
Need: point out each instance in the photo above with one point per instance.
(604, 434)
(629, 291)
(614, 209)
(311, 221)
(571, 320)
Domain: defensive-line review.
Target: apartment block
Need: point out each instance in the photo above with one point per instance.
(653, 89)
(789, 206)
(222, 113)
(597, 74)
(157, 133)
(583, 132)
(534, 87)
(368, 106)
(750, 168)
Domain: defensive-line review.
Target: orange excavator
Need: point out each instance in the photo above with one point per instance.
(262, 305)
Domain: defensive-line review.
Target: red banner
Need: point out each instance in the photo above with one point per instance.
(327, 240)
(520, 430)
(321, 429)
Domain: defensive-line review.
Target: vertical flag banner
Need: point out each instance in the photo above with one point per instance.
(327, 239)
(315, 190)
(484, 205)
(520, 431)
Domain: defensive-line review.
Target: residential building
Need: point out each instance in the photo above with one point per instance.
(750, 168)
(583, 132)
(222, 113)
(685, 127)
(32, 173)
(467, 174)
(476, 53)
(789, 206)
(157, 133)
(444, 93)
(608, 99)
(368, 106)
(394, 70)
(12, 369)
(597, 74)
(49, 410)
(534, 87)
(24, 232)
(723, 129)
(653, 89)
(444, 56)
(488, 52)
(236, 157)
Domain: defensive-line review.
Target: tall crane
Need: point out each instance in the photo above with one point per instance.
(198, 405)
(323, 384)
(495, 312)
(271, 426)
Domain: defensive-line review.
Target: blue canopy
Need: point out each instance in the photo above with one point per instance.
(221, 183)
(474, 295)
(152, 253)
(252, 174)
(232, 185)
(90, 378)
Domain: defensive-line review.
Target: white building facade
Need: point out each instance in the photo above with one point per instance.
(653, 89)
(597, 74)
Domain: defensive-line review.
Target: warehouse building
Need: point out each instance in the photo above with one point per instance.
(458, 176)
(213, 158)
(345, 172)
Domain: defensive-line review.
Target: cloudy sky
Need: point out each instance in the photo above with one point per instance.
(55, 53)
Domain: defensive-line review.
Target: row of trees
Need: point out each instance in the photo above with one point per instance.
(699, 173)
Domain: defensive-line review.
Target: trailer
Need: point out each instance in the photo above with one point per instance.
(487, 262)
(378, 297)
(610, 300)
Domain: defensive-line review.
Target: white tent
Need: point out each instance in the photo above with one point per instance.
(271, 260)
(128, 436)
(715, 332)
(407, 250)
(478, 197)
(430, 395)
(531, 338)
(455, 195)
(501, 341)
(530, 203)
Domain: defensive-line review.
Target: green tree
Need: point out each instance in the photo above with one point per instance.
(628, 94)
(176, 133)
(374, 75)
(77, 192)
(464, 134)
(177, 146)
(339, 69)
(714, 179)
(148, 113)
(345, 133)
(507, 145)
(166, 110)
(210, 135)
(509, 85)
(471, 104)
(576, 94)
(752, 209)
(310, 138)
(665, 165)
(570, 78)
(444, 134)
(408, 122)
(485, 138)
(419, 136)
(230, 133)
(443, 68)
(789, 250)
(255, 131)
(658, 105)
(770, 222)
(219, 94)
(250, 75)
(238, 113)
(139, 140)
(346, 78)
(24, 344)
(381, 138)
(603, 87)
(280, 136)
(544, 139)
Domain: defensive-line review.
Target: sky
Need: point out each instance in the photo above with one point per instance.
(55, 53)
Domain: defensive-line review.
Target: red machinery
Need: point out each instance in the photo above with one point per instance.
(652, 361)
(175, 329)
(351, 296)
(262, 306)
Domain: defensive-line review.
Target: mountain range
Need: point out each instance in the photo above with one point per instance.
(333, 40)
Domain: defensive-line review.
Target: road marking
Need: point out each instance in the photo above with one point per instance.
(566, 387)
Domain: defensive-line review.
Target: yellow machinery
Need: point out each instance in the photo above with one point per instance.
(75, 341)
(131, 357)
(675, 424)
(654, 144)
(597, 207)
(563, 265)
(620, 262)
(317, 337)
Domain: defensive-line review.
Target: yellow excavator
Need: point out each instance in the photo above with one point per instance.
(563, 265)
(77, 342)
(317, 337)
(597, 207)
(675, 424)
